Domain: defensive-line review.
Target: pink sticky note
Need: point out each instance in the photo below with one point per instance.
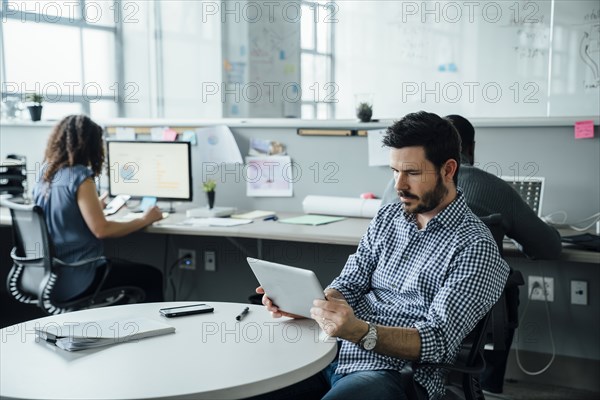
(169, 135)
(584, 129)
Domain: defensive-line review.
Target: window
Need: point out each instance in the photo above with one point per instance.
(317, 62)
(65, 51)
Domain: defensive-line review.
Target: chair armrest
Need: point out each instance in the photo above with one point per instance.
(478, 367)
(24, 260)
(515, 278)
(465, 370)
(96, 261)
(407, 378)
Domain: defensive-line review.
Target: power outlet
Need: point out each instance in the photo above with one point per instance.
(189, 262)
(537, 293)
(579, 292)
(210, 261)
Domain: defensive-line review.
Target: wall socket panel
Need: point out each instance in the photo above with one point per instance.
(189, 263)
(538, 294)
(210, 261)
(579, 293)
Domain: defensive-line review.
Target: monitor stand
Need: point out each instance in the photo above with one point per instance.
(169, 209)
(205, 212)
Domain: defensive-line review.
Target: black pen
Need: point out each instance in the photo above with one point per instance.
(271, 218)
(242, 314)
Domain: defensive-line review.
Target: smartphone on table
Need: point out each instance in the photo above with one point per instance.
(186, 310)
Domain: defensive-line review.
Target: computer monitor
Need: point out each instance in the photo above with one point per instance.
(531, 189)
(150, 169)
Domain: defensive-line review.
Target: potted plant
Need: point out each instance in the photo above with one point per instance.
(209, 187)
(364, 112)
(35, 110)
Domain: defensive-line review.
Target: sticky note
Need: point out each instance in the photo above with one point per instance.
(169, 135)
(189, 136)
(584, 129)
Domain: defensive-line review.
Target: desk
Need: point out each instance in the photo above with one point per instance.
(347, 232)
(209, 356)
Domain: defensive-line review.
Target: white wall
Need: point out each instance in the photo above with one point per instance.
(570, 166)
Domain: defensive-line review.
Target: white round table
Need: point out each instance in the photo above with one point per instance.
(209, 356)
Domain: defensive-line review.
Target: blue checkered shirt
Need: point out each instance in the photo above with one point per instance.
(440, 280)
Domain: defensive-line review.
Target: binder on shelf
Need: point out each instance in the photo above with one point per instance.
(326, 132)
(146, 130)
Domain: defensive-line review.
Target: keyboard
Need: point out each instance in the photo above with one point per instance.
(586, 241)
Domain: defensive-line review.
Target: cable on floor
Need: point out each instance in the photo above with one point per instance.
(545, 368)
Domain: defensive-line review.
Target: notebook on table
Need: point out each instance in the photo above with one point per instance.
(92, 334)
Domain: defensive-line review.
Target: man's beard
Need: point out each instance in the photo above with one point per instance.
(430, 200)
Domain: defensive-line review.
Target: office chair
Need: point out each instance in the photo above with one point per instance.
(470, 362)
(36, 270)
(505, 313)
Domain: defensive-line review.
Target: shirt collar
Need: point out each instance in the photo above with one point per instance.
(448, 217)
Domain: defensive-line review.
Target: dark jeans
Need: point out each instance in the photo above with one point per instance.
(327, 385)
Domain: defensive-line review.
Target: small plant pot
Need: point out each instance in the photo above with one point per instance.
(211, 199)
(364, 114)
(35, 112)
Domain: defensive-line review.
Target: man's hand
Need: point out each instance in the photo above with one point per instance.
(272, 308)
(336, 318)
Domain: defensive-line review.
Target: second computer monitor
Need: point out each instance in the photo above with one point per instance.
(150, 169)
(531, 190)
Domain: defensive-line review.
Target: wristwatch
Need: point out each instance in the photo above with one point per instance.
(369, 341)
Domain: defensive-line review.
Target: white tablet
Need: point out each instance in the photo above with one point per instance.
(291, 289)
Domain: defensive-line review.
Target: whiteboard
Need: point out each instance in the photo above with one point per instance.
(485, 59)
(575, 74)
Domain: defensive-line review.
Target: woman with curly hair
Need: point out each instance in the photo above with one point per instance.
(73, 212)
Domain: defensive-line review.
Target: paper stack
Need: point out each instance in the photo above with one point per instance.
(74, 336)
(256, 214)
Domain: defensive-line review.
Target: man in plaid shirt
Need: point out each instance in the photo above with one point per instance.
(425, 272)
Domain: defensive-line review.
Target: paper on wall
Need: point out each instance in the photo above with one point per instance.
(156, 133)
(342, 206)
(217, 144)
(378, 154)
(125, 133)
(269, 176)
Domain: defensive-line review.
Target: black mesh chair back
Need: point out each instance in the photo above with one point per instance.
(469, 364)
(494, 224)
(505, 311)
(470, 361)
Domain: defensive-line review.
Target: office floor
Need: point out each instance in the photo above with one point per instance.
(534, 391)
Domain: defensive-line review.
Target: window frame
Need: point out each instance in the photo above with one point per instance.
(314, 103)
(78, 22)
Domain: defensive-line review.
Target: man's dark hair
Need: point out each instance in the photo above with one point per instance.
(435, 134)
(464, 128)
